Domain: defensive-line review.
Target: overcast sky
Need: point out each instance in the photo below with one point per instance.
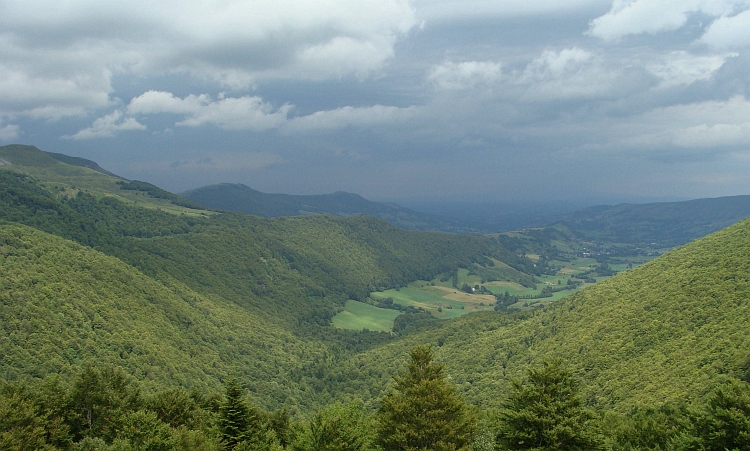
(505, 100)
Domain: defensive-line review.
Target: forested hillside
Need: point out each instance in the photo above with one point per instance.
(274, 283)
(112, 304)
(665, 224)
(664, 332)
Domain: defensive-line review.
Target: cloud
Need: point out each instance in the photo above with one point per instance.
(469, 74)
(450, 10)
(654, 16)
(10, 132)
(351, 116)
(553, 75)
(709, 127)
(81, 44)
(252, 113)
(729, 32)
(108, 126)
(241, 113)
(683, 68)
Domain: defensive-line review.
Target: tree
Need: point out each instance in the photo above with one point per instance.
(545, 412)
(424, 413)
(241, 424)
(338, 427)
(725, 424)
(234, 415)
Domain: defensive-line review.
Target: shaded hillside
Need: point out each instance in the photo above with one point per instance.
(243, 199)
(235, 288)
(666, 224)
(663, 332)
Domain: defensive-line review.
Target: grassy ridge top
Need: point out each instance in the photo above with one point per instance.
(66, 176)
(663, 332)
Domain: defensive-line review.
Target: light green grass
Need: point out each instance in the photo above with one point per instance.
(421, 294)
(358, 316)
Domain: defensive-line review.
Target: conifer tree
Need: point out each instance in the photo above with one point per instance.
(424, 412)
(545, 413)
(234, 415)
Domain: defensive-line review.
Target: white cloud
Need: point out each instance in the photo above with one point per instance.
(108, 126)
(683, 68)
(351, 116)
(630, 17)
(10, 132)
(729, 32)
(234, 42)
(241, 113)
(49, 92)
(252, 113)
(568, 74)
(456, 76)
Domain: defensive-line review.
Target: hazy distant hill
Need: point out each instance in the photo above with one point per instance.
(666, 223)
(241, 198)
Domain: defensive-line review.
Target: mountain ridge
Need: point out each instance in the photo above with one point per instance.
(244, 199)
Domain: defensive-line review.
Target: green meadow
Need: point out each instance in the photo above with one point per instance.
(441, 299)
(358, 316)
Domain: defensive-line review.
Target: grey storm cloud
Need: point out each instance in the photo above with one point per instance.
(335, 94)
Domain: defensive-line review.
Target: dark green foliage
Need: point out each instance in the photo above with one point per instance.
(725, 422)
(21, 428)
(98, 400)
(545, 413)
(234, 415)
(424, 412)
(143, 431)
(667, 427)
(338, 427)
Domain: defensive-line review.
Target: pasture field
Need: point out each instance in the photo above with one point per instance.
(443, 300)
(358, 315)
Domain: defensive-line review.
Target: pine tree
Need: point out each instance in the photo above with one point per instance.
(545, 413)
(234, 415)
(424, 412)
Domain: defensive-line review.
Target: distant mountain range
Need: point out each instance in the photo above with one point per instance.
(665, 223)
(241, 198)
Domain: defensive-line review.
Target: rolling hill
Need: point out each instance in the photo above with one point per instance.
(243, 199)
(187, 299)
(663, 224)
(663, 333)
(94, 273)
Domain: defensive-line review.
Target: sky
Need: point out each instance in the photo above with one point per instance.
(401, 100)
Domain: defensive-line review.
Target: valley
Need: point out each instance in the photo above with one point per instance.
(173, 312)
